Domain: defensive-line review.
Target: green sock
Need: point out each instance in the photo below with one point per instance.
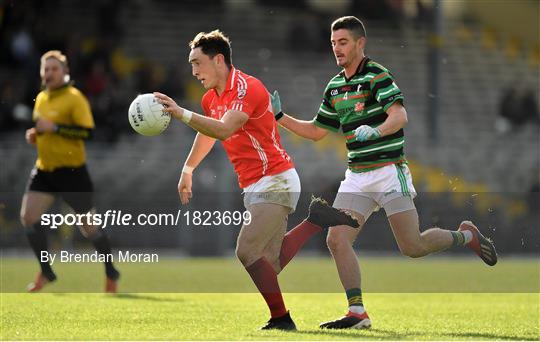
(354, 297)
(459, 238)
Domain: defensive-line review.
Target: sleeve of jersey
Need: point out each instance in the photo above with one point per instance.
(327, 116)
(82, 115)
(385, 89)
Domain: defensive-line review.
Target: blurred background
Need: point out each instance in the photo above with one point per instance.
(469, 71)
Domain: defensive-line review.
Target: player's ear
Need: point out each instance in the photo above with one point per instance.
(361, 43)
(66, 74)
(220, 59)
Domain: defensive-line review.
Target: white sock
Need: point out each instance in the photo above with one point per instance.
(359, 309)
(468, 236)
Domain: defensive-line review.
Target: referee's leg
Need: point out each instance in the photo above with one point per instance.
(33, 205)
(101, 243)
(78, 191)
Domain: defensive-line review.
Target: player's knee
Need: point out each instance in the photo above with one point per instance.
(240, 253)
(88, 231)
(336, 241)
(29, 219)
(413, 251)
(246, 254)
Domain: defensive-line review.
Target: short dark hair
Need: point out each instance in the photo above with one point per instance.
(213, 43)
(352, 24)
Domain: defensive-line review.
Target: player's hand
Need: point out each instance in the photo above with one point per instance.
(184, 188)
(31, 136)
(170, 106)
(276, 102)
(365, 133)
(45, 126)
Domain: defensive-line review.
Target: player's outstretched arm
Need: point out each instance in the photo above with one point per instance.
(303, 128)
(200, 149)
(218, 129)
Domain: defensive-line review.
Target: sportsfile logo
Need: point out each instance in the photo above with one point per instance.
(179, 219)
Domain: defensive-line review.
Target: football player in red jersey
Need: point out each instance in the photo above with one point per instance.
(238, 111)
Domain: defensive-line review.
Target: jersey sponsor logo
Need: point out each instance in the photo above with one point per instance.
(218, 111)
(345, 110)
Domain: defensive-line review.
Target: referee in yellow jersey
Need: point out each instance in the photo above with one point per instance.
(63, 120)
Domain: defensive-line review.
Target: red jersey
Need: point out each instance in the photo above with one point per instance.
(255, 149)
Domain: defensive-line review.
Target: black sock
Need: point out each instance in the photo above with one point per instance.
(103, 246)
(37, 236)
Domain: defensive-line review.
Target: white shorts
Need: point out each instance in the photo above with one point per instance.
(282, 188)
(389, 187)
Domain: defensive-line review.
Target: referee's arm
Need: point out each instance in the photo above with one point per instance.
(67, 131)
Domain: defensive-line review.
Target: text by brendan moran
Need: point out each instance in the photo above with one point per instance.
(120, 256)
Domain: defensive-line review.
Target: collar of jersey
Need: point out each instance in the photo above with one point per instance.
(359, 70)
(230, 81)
(58, 90)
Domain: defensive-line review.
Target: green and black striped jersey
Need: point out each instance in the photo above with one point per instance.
(363, 100)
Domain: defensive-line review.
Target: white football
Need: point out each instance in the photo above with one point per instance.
(146, 115)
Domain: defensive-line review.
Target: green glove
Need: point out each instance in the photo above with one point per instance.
(276, 105)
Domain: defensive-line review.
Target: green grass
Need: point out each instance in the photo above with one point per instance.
(506, 315)
(236, 316)
(302, 275)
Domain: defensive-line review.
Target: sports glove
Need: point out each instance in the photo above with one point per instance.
(276, 105)
(365, 133)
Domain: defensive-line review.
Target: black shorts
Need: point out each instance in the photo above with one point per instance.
(73, 185)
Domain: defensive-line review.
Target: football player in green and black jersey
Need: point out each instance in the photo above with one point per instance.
(364, 101)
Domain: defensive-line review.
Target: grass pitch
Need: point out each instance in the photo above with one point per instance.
(401, 315)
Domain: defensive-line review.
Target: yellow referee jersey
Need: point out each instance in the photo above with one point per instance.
(64, 106)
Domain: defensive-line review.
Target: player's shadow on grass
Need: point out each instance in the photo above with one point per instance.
(377, 334)
(337, 333)
(460, 335)
(468, 335)
(132, 296)
(135, 296)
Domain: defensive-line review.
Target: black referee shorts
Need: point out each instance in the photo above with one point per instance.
(73, 185)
